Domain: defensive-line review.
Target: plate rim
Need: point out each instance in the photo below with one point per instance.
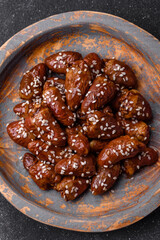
(7, 190)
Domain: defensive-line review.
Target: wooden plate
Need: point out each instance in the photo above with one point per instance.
(109, 36)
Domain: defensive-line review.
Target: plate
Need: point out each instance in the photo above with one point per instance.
(82, 31)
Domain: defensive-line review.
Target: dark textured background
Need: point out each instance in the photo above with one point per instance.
(16, 15)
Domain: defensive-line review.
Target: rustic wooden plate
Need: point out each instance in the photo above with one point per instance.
(84, 32)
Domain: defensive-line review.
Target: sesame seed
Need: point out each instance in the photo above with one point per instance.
(66, 192)
(114, 131)
(105, 166)
(114, 178)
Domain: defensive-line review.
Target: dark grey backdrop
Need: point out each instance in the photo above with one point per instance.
(16, 15)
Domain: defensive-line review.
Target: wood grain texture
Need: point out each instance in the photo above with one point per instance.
(109, 36)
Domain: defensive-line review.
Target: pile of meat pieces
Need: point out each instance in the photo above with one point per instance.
(81, 131)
